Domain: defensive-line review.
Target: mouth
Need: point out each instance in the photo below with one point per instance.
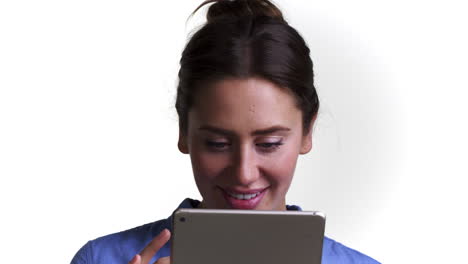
(245, 199)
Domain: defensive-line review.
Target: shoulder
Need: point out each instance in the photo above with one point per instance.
(122, 246)
(337, 253)
(118, 247)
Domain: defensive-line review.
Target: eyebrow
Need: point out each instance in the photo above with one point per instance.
(264, 131)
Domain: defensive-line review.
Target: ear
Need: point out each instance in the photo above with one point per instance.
(182, 144)
(306, 145)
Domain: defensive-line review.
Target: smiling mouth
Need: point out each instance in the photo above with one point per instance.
(245, 199)
(241, 196)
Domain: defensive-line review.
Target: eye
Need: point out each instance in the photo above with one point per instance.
(269, 146)
(215, 145)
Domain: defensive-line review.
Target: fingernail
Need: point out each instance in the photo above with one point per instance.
(133, 259)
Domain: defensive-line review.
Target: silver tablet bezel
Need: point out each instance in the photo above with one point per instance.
(195, 246)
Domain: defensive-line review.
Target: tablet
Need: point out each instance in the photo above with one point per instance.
(211, 236)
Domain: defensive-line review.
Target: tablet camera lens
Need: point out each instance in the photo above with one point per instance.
(182, 219)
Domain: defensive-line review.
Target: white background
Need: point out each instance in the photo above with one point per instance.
(88, 130)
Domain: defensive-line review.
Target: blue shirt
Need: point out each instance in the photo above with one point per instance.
(121, 247)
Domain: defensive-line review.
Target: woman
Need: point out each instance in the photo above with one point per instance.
(246, 103)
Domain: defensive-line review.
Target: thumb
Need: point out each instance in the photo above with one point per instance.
(165, 260)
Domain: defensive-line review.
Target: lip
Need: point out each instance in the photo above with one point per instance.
(243, 191)
(243, 204)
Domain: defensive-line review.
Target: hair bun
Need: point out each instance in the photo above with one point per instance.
(232, 9)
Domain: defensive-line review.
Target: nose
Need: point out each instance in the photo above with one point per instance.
(245, 166)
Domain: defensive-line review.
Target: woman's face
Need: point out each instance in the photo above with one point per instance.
(244, 137)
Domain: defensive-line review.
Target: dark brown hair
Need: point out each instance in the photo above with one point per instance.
(244, 39)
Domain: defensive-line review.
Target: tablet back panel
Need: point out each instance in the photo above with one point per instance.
(205, 236)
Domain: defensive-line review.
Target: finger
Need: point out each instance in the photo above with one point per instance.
(154, 246)
(135, 260)
(165, 260)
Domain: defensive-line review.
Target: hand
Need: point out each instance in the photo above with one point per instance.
(150, 250)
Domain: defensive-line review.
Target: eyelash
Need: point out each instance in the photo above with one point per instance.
(268, 147)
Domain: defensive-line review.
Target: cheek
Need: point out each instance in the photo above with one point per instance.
(207, 166)
(281, 168)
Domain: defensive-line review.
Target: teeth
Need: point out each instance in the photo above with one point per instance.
(243, 196)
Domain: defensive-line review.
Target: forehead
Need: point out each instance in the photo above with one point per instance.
(244, 104)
